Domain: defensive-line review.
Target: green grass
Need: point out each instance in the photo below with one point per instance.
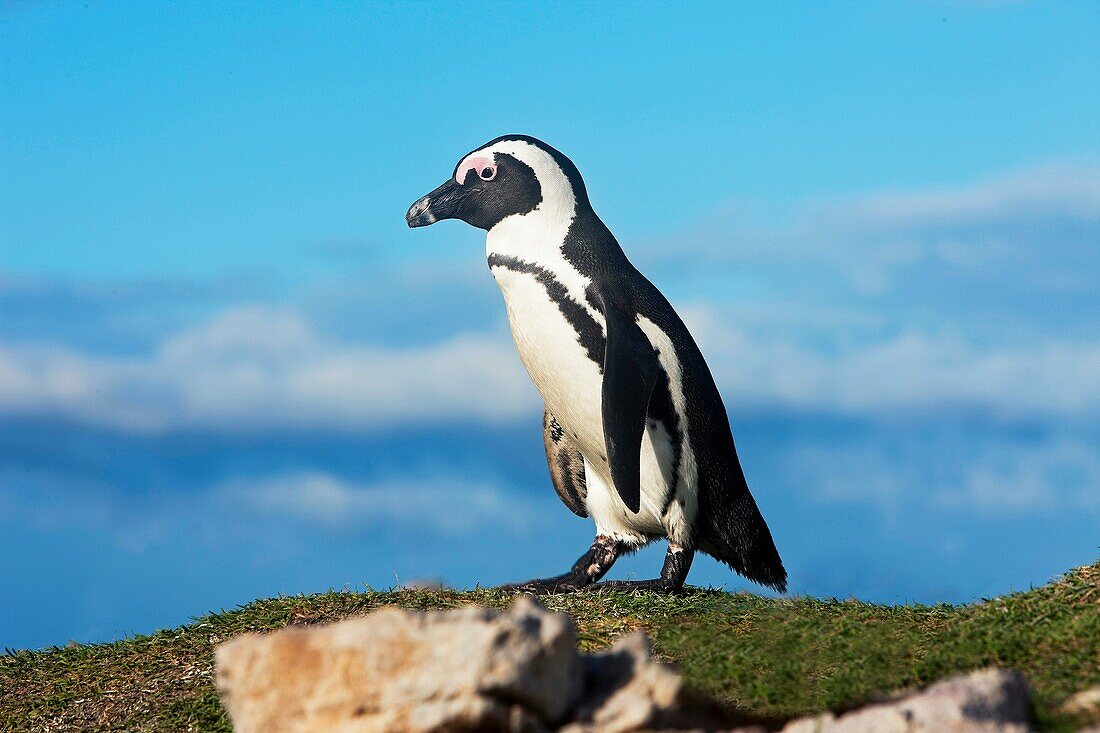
(771, 657)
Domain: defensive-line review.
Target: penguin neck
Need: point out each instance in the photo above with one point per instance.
(540, 244)
(538, 235)
(545, 235)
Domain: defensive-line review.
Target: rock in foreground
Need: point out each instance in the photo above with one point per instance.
(987, 701)
(475, 669)
(396, 670)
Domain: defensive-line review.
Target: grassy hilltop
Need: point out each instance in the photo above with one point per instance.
(774, 657)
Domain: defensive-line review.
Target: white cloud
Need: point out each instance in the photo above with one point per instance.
(258, 369)
(1047, 191)
(1011, 479)
(452, 505)
(972, 299)
(911, 372)
(261, 368)
(51, 501)
(998, 478)
(859, 473)
(1033, 229)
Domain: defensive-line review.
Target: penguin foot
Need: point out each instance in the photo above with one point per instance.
(590, 567)
(673, 575)
(545, 586)
(660, 586)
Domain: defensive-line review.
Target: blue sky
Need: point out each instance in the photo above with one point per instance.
(228, 370)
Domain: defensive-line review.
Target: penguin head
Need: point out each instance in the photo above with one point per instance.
(510, 176)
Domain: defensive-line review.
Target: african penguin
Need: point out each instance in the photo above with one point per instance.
(636, 434)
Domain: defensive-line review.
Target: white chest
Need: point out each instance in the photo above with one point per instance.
(549, 347)
(536, 279)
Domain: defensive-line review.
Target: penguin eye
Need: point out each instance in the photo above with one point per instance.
(488, 173)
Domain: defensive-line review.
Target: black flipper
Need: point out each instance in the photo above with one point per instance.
(566, 465)
(630, 371)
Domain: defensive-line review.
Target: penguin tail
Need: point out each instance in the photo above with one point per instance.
(735, 533)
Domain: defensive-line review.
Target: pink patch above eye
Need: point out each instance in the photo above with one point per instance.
(478, 165)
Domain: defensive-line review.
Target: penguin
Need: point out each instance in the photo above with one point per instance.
(636, 434)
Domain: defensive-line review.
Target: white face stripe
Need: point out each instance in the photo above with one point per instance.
(474, 162)
(557, 191)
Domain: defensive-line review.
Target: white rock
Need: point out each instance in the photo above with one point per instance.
(987, 701)
(1083, 704)
(626, 690)
(395, 670)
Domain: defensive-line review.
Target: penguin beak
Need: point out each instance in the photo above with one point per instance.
(442, 203)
